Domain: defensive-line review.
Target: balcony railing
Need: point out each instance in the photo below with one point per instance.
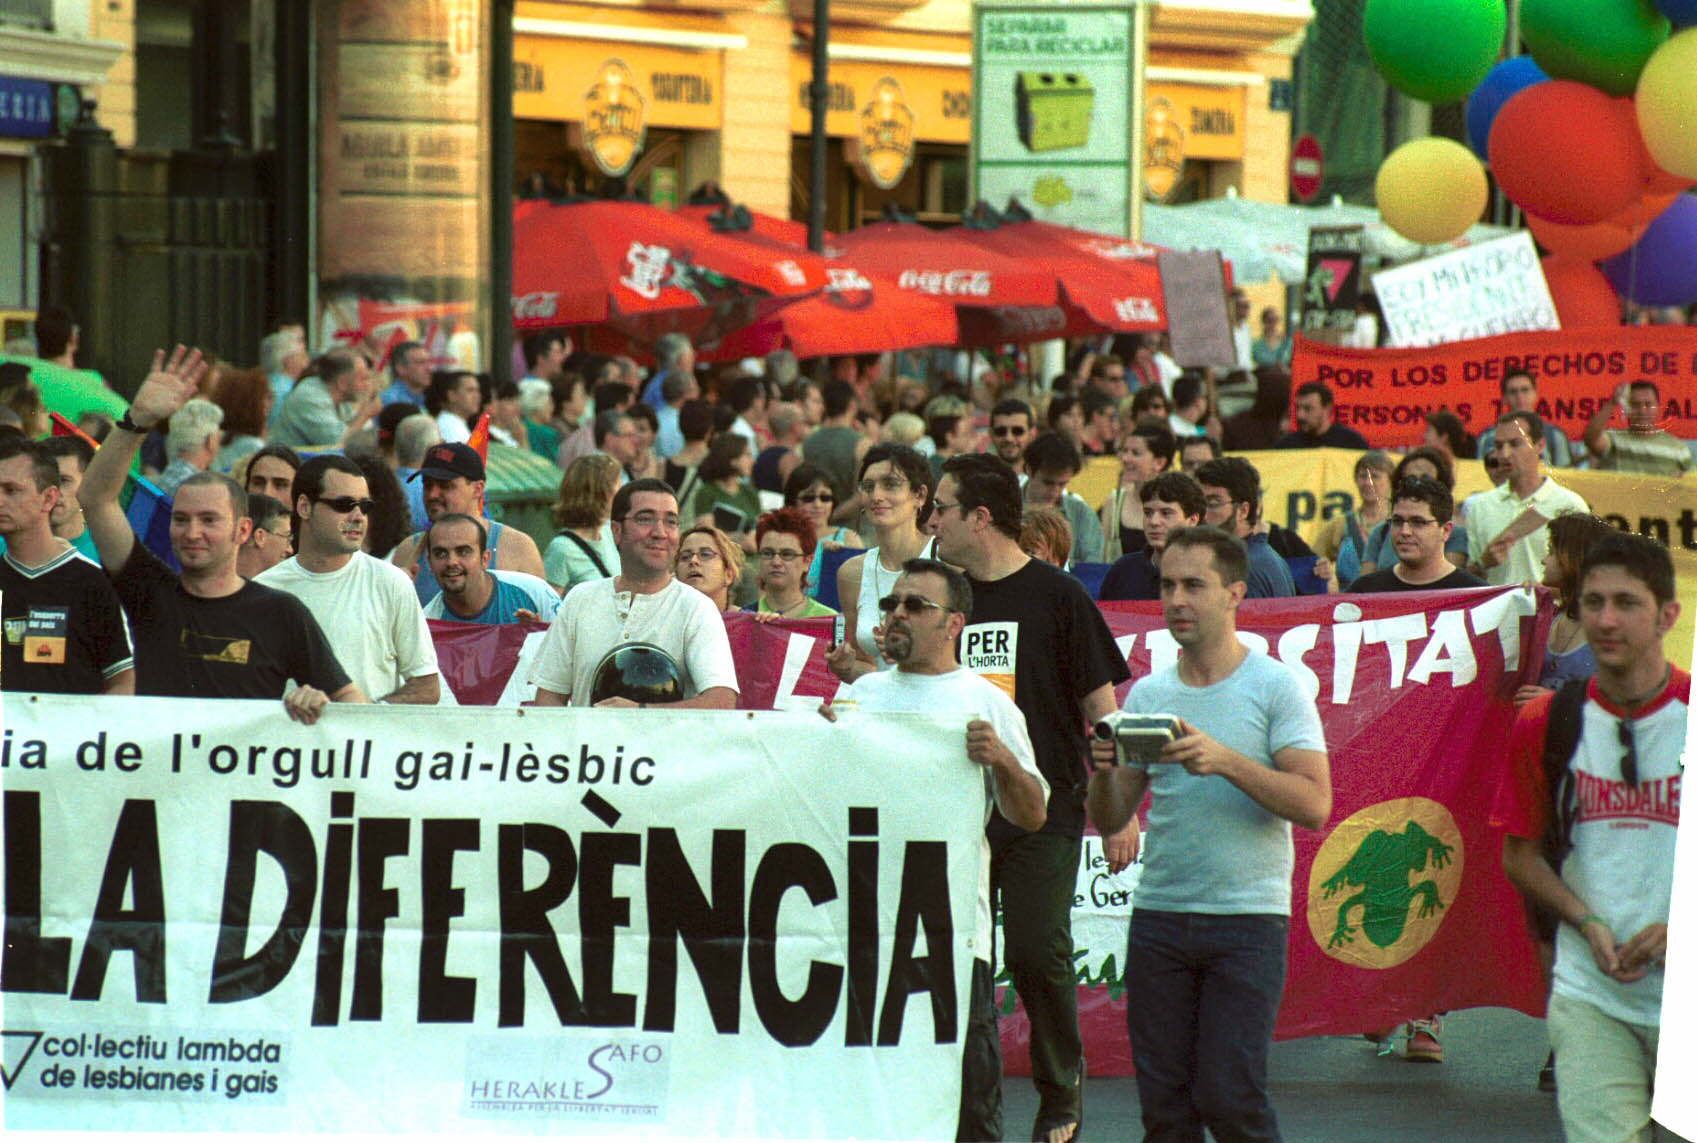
(27, 13)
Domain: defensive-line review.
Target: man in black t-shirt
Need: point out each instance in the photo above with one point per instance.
(209, 634)
(1419, 524)
(1316, 426)
(64, 630)
(1035, 632)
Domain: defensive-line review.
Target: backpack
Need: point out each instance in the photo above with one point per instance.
(1561, 738)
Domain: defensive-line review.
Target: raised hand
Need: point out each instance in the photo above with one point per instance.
(168, 386)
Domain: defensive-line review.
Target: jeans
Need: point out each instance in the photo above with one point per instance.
(1035, 875)
(1605, 1069)
(981, 1063)
(1202, 992)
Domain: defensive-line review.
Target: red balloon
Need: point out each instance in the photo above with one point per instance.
(1566, 152)
(1590, 243)
(1584, 299)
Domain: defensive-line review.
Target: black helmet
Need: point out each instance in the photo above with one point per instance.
(640, 672)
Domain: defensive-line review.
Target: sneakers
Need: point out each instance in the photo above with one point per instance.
(1547, 1074)
(1423, 1046)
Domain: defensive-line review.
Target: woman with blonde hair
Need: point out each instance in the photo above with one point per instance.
(710, 562)
(584, 549)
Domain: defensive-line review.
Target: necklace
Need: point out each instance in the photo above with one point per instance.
(1640, 700)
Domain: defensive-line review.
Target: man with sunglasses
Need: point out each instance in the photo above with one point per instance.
(1035, 632)
(365, 605)
(1011, 425)
(1595, 846)
(923, 617)
(644, 603)
(207, 633)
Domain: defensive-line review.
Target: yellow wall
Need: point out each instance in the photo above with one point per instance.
(115, 20)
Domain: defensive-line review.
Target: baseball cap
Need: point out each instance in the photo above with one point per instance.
(446, 461)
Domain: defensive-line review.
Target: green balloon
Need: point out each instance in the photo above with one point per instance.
(1604, 43)
(1436, 50)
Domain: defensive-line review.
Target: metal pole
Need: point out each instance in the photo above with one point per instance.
(292, 298)
(819, 92)
(501, 192)
(1139, 81)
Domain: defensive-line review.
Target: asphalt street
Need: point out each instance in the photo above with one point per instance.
(1335, 1088)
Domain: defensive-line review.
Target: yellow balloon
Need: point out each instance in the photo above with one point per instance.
(1667, 104)
(1431, 190)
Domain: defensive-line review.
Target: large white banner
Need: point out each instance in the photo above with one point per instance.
(1482, 290)
(685, 923)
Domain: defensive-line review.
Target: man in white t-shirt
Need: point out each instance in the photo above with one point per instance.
(367, 607)
(929, 606)
(644, 603)
(1596, 851)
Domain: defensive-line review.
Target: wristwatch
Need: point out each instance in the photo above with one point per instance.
(130, 426)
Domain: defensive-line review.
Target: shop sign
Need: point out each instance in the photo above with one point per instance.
(1163, 149)
(940, 98)
(677, 87)
(883, 150)
(1210, 118)
(26, 108)
(614, 119)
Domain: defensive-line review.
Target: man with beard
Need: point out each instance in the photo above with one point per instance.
(365, 606)
(209, 633)
(471, 593)
(923, 616)
(454, 481)
(644, 603)
(1011, 424)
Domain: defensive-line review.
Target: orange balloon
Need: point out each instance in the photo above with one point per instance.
(1645, 211)
(1584, 299)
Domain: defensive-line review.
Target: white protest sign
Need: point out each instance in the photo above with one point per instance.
(1483, 290)
(690, 923)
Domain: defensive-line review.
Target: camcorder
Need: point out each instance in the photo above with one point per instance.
(1138, 737)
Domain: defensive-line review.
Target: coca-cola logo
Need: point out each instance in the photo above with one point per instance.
(1135, 309)
(947, 283)
(541, 306)
(842, 279)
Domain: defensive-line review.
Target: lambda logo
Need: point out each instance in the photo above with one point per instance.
(16, 1048)
(614, 119)
(1381, 884)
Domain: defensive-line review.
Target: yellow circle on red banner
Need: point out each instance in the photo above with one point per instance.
(1383, 882)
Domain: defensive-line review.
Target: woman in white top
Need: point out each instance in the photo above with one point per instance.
(454, 399)
(1145, 451)
(895, 484)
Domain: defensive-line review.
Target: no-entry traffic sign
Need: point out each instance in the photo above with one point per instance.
(1307, 168)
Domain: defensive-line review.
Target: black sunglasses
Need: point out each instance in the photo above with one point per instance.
(816, 498)
(1008, 431)
(1629, 760)
(912, 604)
(346, 504)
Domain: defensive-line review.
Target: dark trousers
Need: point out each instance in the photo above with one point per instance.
(1202, 992)
(981, 1065)
(1034, 875)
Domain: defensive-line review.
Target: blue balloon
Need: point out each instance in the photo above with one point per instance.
(1661, 269)
(1681, 13)
(1500, 84)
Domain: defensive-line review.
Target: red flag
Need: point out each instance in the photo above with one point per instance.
(480, 437)
(64, 428)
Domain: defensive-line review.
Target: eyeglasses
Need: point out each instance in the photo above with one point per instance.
(773, 555)
(1628, 760)
(342, 505)
(940, 506)
(890, 484)
(652, 520)
(816, 498)
(1218, 502)
(1415, 522)
(1008, 431)
(912, 604)
(700, 555)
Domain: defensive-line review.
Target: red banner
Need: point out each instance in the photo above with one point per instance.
(1385, 394)
(1400, 908)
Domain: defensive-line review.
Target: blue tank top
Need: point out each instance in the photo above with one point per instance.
(425, 581)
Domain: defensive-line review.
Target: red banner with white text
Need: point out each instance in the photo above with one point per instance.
(1385, 394)
(1399, 909)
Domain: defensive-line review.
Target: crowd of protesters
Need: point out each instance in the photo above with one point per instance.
(325, 508)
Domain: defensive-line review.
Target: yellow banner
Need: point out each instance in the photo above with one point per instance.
(940, 97)
(552, 78)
